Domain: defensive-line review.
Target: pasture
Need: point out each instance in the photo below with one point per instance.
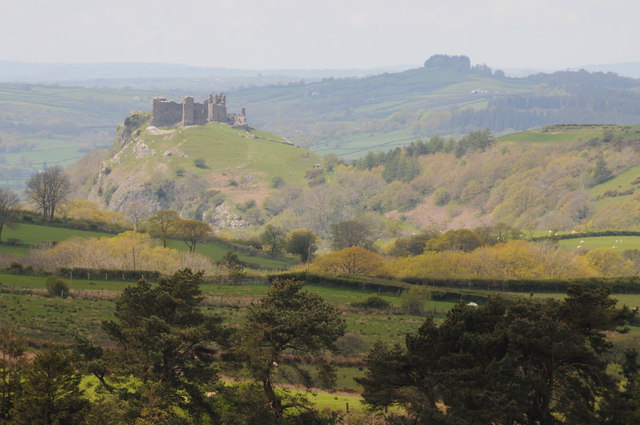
(26, 236)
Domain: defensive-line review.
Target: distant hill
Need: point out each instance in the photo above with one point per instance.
(627, 69)
(47, 125)
(164, 76)
(352, 116)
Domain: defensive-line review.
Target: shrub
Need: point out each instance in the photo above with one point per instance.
(180, 172)
(373, 301)
(57, 287)
(413, 300)
(200, 163)
(441, 197)
(16, 268)
(277, 182)
(352, 345)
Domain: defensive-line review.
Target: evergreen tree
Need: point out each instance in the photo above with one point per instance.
(167, 342)
(51, 393)
(523, 362)
(289, 322)
(600, 173)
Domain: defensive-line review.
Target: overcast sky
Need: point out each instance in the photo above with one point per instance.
(276, 34)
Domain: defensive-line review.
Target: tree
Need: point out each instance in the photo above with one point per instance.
(455, 240)
(303, 242)
(51, 394)
(12, 363)
(600, 172)
(48, 189)
(8, 203)
(290, 322)
(523, 362)
(609, 262)
(273, 238)
(136, 212)
(162, 224)
(232, 265)
(352, 233)
(349, 261)
(192, 232)
(166, 341)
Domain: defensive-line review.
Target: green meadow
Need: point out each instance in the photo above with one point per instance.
(29, 235)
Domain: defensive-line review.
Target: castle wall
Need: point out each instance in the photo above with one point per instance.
(200, 113)
(166, 113)
(187, 111)
(219, 113)
(169, 113)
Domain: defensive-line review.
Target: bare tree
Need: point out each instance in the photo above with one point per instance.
(48, 189)
(8, 203)
(136, 212)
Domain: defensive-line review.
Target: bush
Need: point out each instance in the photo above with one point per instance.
(57, 287)
(413, 300)
(373, 301)
(277, 182)
(352, 345)
(200, 163)
(441, 197)
(16, 268)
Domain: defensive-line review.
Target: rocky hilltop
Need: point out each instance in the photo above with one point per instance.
(213, 172)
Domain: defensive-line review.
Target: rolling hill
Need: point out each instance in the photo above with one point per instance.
(352, 116)
(213, 173)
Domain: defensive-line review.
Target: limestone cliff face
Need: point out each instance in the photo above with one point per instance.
(208, 172)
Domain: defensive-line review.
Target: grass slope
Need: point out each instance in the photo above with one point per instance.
(239, 164)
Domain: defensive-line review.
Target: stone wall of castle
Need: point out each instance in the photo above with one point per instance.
(214, 109)
(166, 112)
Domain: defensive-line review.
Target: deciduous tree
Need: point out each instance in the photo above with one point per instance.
(48, 189)
(455, 240)
(8, 208)
(192, 232)
(303, 242)
(349, 261)
(273, 238)
(162, 224)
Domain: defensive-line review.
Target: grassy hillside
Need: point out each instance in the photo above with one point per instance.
(213, 173)
(344, 116)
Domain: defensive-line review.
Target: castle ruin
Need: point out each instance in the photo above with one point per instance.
(168, 113)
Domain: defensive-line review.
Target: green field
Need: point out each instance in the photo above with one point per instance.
(621, 243)
(41, 318)
(29, 235)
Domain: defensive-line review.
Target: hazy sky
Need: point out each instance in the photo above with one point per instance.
(270, 34)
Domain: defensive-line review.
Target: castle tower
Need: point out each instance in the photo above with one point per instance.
(187, 111)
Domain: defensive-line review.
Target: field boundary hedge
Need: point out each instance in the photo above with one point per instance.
(618, 285)
(594, 234)
(107, 274)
